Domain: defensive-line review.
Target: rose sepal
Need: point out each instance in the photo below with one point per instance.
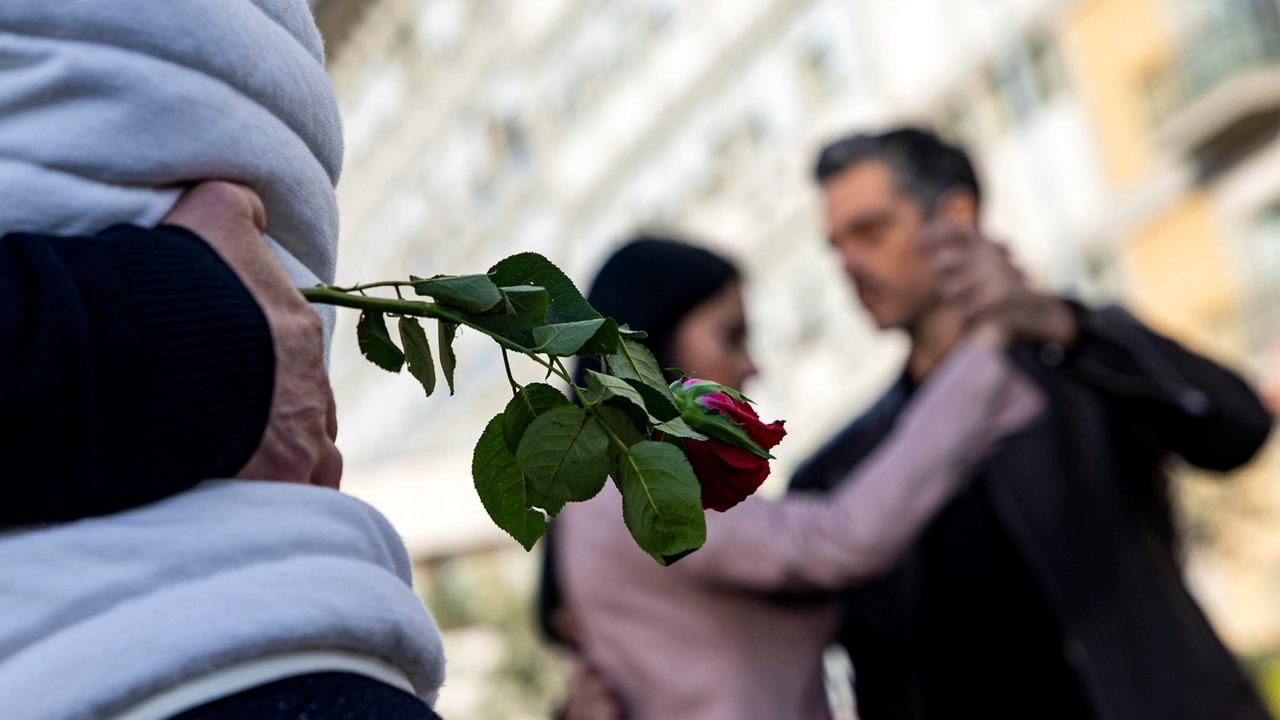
(710, 420)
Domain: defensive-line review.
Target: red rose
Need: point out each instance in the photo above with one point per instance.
(729, 474)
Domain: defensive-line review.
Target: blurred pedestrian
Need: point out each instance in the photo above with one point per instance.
(1049, 587)
(713, 637)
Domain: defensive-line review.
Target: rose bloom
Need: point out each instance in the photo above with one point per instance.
(729, 475)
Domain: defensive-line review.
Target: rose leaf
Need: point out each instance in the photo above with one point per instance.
(529, 402)
(448, 361)
(470, 293)
(503, 489)
(565, 455)
(417, 352)
(661, 500)
(375, 343)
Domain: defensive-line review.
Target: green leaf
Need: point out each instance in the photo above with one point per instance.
(565, 455)
(601, 387)
(526, 300)
(525, 307)
(470, 293)
(677, 427)
(659, 404)
(633, 361)
(626, 332)
(722, 427)
(604, 342)
(621, 424)
(529, 402)
(448, 361)
(375, 342)
(639, 418)
(564, 339)
(502, 488)
(661, 500)
(417, 351)
(566, 304)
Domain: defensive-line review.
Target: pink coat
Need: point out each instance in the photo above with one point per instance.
(709, 638)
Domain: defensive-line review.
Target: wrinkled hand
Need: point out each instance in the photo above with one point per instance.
(590, 697)
(298, 445)
(978, 279)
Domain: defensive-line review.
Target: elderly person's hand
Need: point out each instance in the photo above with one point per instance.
(298, 445)
(977, 278)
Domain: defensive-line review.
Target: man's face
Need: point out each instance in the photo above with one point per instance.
(876, 231)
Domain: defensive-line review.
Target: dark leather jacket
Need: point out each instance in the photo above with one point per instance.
(1083, 494)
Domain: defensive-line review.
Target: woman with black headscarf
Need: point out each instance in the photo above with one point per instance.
(651, 284)
(709, 638)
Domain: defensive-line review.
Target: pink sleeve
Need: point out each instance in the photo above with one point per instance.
(974, 398)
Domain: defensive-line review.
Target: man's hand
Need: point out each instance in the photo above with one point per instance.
(298, 445)
(977, 277)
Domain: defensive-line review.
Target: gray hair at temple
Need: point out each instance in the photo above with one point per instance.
(924, 166)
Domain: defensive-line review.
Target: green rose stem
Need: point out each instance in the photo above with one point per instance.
(347, 297)
(542, 452)
(328, 295)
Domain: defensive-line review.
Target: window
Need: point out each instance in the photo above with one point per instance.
(1023, 80)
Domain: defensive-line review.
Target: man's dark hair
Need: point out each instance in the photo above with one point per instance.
(924, 166)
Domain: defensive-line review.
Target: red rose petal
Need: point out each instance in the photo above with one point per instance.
(726, 474)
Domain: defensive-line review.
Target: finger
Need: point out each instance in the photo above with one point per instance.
(952, 284)
(950, 233)
(972, 299)
(965, 303)
(278, 459)
(331, 419)
(255, 467)
(977, 302)
(940, 234)
(949, 262)
(210, 205)
(231, 219)
(328, 469)
(999, 255)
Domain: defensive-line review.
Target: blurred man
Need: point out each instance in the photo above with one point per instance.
(1048, 589)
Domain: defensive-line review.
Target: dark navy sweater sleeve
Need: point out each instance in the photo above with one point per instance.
(133, 365)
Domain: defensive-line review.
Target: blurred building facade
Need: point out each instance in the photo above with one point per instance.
(1128, 148)
(1186, 109)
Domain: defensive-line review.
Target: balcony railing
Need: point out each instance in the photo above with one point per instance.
(1217, 56)
(1221, 87)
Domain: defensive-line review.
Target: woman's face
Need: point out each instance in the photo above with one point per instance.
(711, 341)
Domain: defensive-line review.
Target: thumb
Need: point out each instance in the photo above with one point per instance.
(217, 208)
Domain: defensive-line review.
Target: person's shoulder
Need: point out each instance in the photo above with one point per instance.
(833, 461)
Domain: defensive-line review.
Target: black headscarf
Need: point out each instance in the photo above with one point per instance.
(650, 284)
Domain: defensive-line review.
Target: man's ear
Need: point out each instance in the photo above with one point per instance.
(960, 206)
